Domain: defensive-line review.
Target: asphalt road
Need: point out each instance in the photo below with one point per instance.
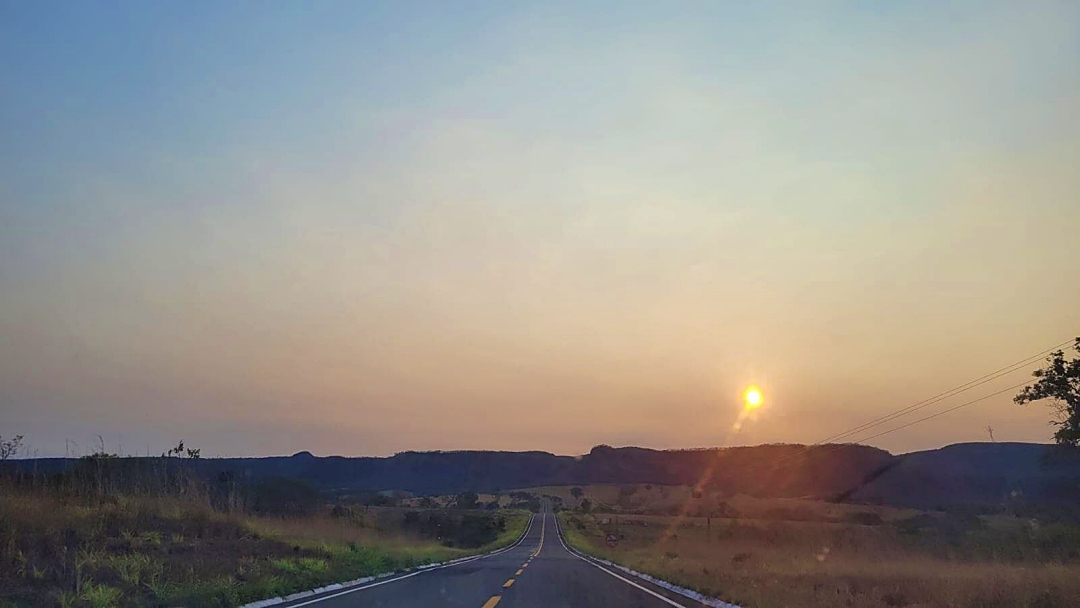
(539, 572)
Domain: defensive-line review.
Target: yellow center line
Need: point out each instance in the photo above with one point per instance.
(507, 584)
(518, 573)
(492, 601)
(525, 565)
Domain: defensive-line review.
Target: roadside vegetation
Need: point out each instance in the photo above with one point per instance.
(119, 532)
(875, 558)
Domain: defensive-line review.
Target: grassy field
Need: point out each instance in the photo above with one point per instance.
(173, 551)
(673, 500)
(892, 561)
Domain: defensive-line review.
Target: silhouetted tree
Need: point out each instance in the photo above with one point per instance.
(576, 492)
(10, 447)
(586, 506)
(1059, 381)
(467, 500)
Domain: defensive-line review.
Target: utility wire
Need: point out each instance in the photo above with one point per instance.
(1001, 372)
(1004, 371)
(945, 411)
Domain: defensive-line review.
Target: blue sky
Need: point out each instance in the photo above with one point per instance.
(360, 228)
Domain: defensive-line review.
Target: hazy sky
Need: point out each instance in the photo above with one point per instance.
(359, 228)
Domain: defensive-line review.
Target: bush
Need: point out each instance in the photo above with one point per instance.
(286, 496)
(463, 530)
(467, 500)
(478, 530)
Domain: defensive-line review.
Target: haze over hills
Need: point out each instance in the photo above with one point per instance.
(977, 474)
(972, 474)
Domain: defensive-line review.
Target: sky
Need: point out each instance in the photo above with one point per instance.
(359, 228)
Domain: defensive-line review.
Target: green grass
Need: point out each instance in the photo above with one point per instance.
(136, 569)
(101, 596)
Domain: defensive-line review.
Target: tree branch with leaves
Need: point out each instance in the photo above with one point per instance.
(1058, 382)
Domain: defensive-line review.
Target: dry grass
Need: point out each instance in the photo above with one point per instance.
(777, 564)
(162, 551)
(652, 498)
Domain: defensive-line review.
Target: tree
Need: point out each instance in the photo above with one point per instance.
(10, 447)
(576, 492)
(467, 500)
(1059, 382)
(586, 506)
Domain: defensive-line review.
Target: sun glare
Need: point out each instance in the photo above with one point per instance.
(752, 397)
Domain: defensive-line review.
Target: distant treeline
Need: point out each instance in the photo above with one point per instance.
(977, 475)
(768, 471)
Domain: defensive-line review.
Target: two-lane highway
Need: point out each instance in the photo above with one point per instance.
(539, 571)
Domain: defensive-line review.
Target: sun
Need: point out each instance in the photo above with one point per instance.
(752, 397)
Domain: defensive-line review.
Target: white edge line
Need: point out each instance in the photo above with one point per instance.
(359, 584)
(689, 593)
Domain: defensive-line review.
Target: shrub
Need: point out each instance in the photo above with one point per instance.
(478, 530)
(463, 530)
(467, 500)
(286, 496)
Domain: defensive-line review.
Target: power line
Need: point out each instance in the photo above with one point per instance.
(1004, 371)
(945, 411)
(1001, 372)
